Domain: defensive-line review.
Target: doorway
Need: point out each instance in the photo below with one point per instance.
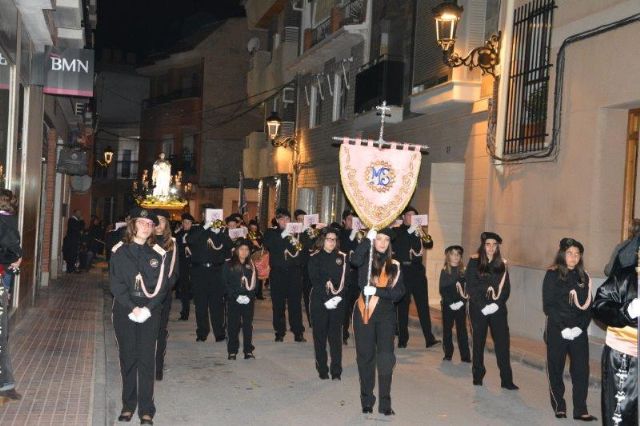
(631, 210)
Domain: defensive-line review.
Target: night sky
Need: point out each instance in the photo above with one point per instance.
(146, 27)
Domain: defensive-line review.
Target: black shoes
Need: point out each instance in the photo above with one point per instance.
(249, 355)
(232, 357)
(467, 360)
(183, 317)
(300, 338)
(388, 412)
(125, 416)
(446, 358)
(586, 418)
(432, 343)
(324, 376)
(402, 345)
(477, 382)
(510, 386)
(335, 377)
(279, 338)
(159, 375)
(201, 339)
(561, 415)
(146, 420)
(367, 410)
(221, 338)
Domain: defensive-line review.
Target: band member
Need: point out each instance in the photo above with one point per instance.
(349, 239)
(327, 271)
(255, 236)
(408, 248)
(239, 275)
(374, 324)
(488, 287)
(138, 276)
(307, 239)
(617, 306)
(210, 246)
(184, 291)
(164, 239)
(285, 279)
(453, 300)
(566, 300)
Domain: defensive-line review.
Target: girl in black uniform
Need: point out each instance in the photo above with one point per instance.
(374, 326)
(453, 304)
(239, 277)
(488, 287)
(327, 271)
(138, 274)
(566, 301)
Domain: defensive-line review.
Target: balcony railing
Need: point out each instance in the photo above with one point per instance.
(191, 92)
(352, 13)
(380, 80)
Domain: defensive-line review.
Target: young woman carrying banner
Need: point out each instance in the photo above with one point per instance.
(374, 325)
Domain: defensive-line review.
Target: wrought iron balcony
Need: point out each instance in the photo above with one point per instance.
(352, 13)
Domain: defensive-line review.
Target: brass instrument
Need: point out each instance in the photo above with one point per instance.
(217, 224)
(360, 235)
(313, 233)
(295, 242)
(252, 235)
(426, 238)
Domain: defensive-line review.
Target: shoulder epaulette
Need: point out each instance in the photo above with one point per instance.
(116, 247)
(395, 262)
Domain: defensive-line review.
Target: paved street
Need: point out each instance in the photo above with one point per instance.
(201, 387)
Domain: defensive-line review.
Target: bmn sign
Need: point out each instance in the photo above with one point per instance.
(68, 72)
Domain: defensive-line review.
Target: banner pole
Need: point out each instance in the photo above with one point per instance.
(366, 300)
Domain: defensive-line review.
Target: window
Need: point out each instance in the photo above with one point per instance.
(341, 95)
(307, 200)
(127, 162)
(316, 107)
(188, 158)
(328, 211)
(167, 145)
(528, 85)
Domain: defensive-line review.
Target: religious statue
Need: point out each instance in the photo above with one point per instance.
(161, 177)
(145, 179)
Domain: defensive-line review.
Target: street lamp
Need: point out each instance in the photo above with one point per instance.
(273, 125)
(447, 15)
(108, 157)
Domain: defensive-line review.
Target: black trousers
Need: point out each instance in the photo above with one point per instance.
(240, 317)
(208, 294)
(459, 319)
(327, 326)
(183, 289)
(415, 283)
(163, 333)
(374, 349)
(557, 351)
(351, 296)
(499, 326)
(615, 362)
(306, 292)
(286, 293)
(137, 348)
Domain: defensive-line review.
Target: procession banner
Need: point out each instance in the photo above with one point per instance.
(378, 182)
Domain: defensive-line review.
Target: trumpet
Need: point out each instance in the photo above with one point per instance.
(217, 224)
(295, 242)
(313, 233)
(360, 235)
(425, 237)
(252, 235)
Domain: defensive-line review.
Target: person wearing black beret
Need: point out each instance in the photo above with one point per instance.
(139, 281)
(183, 287)
(408, 249)
(488, 288)
(349, 240)
(285, 277)
(327, 273)
(240, 278)
(617, 306)
(453, 304)
(374, 325)
(165, 240)
(566, 301)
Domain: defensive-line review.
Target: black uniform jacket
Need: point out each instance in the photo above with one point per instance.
(408, 247)
(208, 247)
(448, 289)
(232, 277)
(557, 304)
(173, 273)
(325, 267)
(127, 260)
(614, 296)
(360, 259)
(282, 254)
(478, 285)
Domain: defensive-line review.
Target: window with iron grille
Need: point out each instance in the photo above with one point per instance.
(528, 84)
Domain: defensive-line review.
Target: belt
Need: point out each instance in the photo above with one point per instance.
(207, 264)
(137, 294)
(409, 263)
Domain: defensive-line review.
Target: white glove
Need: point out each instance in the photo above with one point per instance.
(353, 234)
(207, 225)
(330, 304)
(372, 234)
(634, 308)
(285, 233)
(567, 334)
(243, 300)
(216, 230)
(145, 314)
(133, 317)
(336, 300)
(369, 290)
(489, 309)
(576, 331)
(412, 229)
(456, 306)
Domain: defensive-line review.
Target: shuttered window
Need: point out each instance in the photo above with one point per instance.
(428, 66)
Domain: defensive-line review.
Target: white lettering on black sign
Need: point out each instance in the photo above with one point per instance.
(73, 65)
